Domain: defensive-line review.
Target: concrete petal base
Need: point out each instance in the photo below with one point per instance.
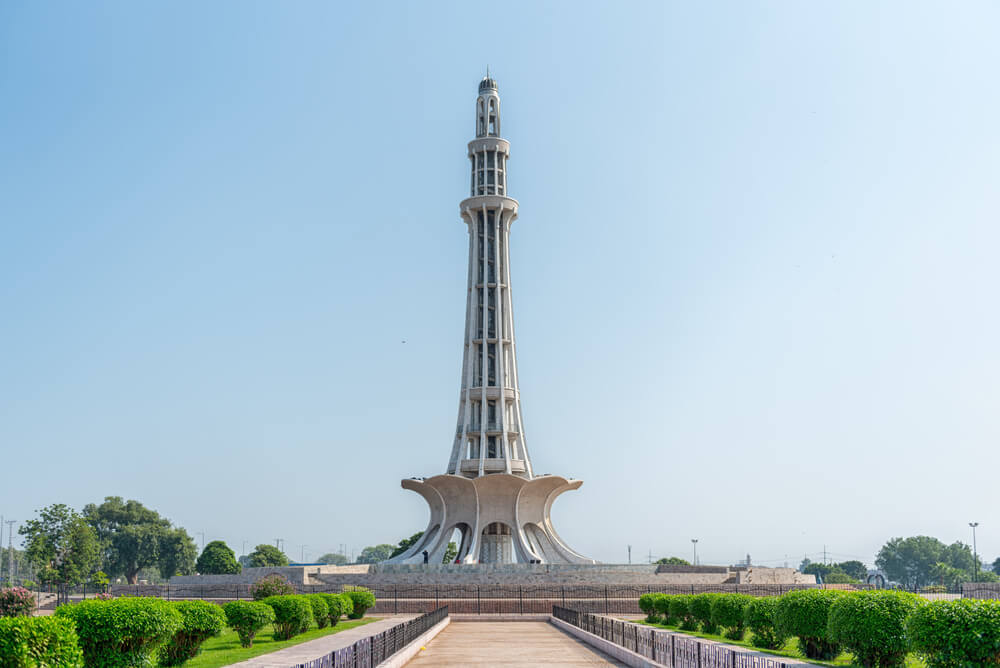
(473, 504)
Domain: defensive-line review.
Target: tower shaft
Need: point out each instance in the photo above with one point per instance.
(489, 437)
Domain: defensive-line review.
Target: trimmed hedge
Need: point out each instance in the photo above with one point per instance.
(321, 611)
(804, 614)
(247, 618)
(201, 620)
(30, 642)
(362, 599)
(271, 585)
(335, 607)
(872, 625)
(16, 602)
(662, 605)
(122, 632)
(292, 615)
(680, 610)
(701, 609)
(647, 603)
(759, 617)
(958, 633)
(728, 612)
(346, 605)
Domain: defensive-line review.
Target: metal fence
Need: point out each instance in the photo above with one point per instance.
(373, 650)
(665, 648)
(476, 599)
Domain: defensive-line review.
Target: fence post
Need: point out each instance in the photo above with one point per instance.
(606, 603)
(479, 602)
(520, 597)
(395, 599)
(564, 595)
(436, 596)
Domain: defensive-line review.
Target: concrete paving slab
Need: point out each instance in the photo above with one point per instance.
(508, 644)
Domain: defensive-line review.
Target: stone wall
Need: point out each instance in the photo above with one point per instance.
(507, 574)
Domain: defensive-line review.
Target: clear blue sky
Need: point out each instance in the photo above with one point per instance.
(755, 272)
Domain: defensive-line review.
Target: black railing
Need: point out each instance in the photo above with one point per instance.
(500, 599)
(666, 648)
(373, 650)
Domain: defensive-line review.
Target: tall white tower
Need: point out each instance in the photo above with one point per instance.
(489, 493)
(490, 434)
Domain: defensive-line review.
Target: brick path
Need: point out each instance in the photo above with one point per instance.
(508, 644)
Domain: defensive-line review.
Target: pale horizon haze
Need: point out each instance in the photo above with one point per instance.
(755, 272)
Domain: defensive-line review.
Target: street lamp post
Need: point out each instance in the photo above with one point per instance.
(694, 545)
(975, 554)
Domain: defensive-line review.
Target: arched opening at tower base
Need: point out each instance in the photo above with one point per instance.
(496, 545)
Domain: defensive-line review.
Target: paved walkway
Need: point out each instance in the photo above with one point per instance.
(314, 649)
(508, 644)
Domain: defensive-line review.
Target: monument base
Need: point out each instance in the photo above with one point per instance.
(502, 519)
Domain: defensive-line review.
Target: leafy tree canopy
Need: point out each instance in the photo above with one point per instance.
(134, 537)
(218, 559)
(673, 561)
(450, 553)
(60, 544)
(996, 565)
(333, 558)
(854, 569)
(406, 544)
(914, 561)
(375, 553)
(267, 555)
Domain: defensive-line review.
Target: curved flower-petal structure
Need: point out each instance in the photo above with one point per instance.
(521, 507)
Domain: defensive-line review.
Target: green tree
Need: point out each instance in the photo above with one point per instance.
(177, 553)
(996, 565)
(133, 537)
(450, 553)
(375, 553)
(333, 558)
(673, 561)
(855, 569)
(838, 576)
(818, 569)
(910, 561)
(406, 544)
(218, 559)
(267, 555)
(60, 545)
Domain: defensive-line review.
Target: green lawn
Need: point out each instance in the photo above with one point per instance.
(791, 648)
(225, 649)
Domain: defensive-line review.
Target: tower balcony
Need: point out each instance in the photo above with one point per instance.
(491, 428)
(492, 466)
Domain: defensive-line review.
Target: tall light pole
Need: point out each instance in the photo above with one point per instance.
(694, 544)
(975, 554)
(202, 534)
(10, 551)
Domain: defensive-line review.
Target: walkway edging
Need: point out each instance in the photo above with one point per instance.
(401, 657)
(626, 656)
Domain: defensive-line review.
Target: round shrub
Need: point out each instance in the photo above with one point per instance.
(759, 617)
(292, 615)
(680, 609)
(728, 612)
(200, 620)
(804, 614)
(334, 606)
(247, 618)
(362, 599)
(28, 642)
(950, 634)
(871, 624)
(346, 605)
(271, 585)
(321, 611)
(16, 602)
(662, 605)
(647, 603)
(701, 609)
(122, 632)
